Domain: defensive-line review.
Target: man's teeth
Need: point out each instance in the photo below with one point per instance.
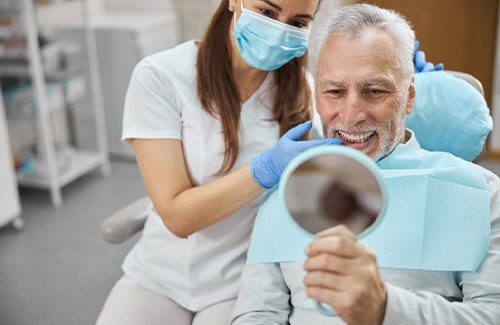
(355, 138)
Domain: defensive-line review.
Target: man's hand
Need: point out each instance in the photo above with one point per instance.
(343, 273)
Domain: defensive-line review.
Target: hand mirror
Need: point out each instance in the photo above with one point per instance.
(328, 186)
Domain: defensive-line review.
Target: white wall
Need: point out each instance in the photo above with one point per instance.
(194, 14)
(49, 16)
(135, 4)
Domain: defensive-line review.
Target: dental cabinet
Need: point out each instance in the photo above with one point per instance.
(123, 38)
(43, 92)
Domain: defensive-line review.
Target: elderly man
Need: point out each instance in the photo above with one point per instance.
(364, 90)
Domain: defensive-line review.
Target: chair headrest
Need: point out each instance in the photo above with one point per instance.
(450, 115)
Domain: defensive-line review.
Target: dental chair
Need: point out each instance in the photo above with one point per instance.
(128, 221)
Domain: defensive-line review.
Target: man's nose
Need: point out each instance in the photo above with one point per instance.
(354, 111)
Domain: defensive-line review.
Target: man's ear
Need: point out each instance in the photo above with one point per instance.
(412, 94)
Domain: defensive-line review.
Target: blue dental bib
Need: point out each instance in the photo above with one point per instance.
(437, 217)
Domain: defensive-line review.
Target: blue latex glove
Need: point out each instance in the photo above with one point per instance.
(267, 167)
(420, 64)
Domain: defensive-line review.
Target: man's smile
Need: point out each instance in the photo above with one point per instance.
(356, 140)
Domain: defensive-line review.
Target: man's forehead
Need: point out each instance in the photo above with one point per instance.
(371, 40)
(367, 58)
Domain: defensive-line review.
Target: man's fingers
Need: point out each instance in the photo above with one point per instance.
(340, 230)
(327, 280)
(336, 244)
(329, 262)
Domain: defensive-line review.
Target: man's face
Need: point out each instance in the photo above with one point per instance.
(361, 95)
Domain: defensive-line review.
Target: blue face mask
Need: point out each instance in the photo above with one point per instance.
(267, 44)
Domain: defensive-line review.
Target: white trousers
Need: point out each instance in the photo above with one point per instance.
(130, 304)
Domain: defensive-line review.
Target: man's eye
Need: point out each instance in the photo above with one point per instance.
(375, 92)
(335, 92)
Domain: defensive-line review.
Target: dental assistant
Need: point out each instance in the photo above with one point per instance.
(204, 120)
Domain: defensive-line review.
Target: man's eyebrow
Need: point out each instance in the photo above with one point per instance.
(331, 83)
(378, 82)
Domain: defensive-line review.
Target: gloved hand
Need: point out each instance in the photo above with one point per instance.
(267, 167)
(420, 64)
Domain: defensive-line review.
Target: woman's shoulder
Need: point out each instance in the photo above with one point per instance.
(177, 61)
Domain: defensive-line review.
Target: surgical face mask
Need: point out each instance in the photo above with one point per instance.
(267, 44)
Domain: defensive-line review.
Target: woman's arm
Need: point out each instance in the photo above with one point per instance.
(152, 123)
(185, 208)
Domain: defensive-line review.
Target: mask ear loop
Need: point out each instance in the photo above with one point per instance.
(234, 15)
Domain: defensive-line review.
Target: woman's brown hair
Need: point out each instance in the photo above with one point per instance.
(220, 97)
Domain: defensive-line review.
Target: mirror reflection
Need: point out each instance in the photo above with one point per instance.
(330, 190)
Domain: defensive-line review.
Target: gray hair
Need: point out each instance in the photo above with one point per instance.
(351, 21)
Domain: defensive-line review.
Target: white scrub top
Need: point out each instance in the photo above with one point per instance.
(162, 102)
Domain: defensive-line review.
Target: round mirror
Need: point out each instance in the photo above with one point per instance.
(328, 186)
(333, 186)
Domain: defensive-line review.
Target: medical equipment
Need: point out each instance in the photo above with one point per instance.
(77, 161)
(123, 38)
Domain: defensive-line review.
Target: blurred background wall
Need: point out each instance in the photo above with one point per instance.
(461, 34)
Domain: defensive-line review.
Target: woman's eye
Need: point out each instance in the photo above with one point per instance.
(299, 24)
(266, 12)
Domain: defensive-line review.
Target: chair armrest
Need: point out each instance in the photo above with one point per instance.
(126, 222)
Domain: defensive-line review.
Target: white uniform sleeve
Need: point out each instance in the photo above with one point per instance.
(264, 297)
(151, 109)
(481, 289)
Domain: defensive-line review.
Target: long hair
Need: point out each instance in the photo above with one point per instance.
(220, 98)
